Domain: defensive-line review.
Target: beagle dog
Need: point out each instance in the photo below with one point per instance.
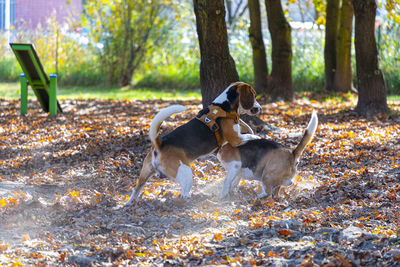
(263, 160)
(218, 124)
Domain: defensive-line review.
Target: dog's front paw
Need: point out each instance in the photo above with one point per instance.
(132, 199)
(186, 198)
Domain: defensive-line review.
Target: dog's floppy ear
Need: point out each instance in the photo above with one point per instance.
(246, 95)
(233, 93)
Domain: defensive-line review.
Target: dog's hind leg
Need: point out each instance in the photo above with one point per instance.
(233, 168)
(145, 173)
(236, 182)
(184, 177)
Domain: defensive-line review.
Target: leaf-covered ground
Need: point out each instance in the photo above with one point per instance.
(63, 179)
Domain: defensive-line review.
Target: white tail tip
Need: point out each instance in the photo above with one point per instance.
(312, 125)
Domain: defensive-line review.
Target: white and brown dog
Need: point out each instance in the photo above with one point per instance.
(263, 160)
(171, 154)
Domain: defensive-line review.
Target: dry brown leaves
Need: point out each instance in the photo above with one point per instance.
(62, 178)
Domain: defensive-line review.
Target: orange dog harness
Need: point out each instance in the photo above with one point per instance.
(213, 114)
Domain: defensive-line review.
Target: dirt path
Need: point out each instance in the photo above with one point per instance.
(63, 180)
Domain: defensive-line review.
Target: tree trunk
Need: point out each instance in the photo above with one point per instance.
(257, 43)
(371, 85)
(217, 67)
(127, 47)
(331, 32)
(343, 81)
(280, 84)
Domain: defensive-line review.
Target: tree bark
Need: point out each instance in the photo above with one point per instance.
(331, 31)
(280, 84)
(343, 81)
(127, 47)
(256, 39)
(217, 67)
(371, 85)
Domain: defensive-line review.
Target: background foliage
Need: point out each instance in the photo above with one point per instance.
(93, 52)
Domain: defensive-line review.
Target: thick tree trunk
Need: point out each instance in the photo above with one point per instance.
(343, 81)
(217, 67)
(371, 85)
(332, 18)
(280, 84)
(257, 43)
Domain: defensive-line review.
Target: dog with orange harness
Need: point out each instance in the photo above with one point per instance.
(214, 126)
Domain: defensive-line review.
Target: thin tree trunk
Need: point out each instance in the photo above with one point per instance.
(257, 43)
(217, 67)
(127, 49)
(343, 81)
(371, 85)
(230, 11)
(331, 31)
(280, 84)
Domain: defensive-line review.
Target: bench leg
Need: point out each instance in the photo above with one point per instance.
(53, 94)
(24, 94)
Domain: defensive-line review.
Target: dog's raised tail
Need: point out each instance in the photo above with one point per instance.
(307, 137)
(161, 116)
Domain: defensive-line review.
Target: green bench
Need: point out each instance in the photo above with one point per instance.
(44, 87)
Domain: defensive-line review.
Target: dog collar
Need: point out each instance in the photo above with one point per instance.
(212, 115)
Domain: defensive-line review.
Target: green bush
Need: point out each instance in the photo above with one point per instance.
(168, 80)
(175, 63)
(9, 71)
(86, 73)
(389, 58)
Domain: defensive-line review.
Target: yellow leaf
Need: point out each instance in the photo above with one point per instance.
(2, 202)
(396, 18)
(146, 192)
(218, 237)
(350, 134)
(140, 254)
(74, 194)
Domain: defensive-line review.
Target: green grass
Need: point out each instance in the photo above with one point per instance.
(394, 98)
(12, 91)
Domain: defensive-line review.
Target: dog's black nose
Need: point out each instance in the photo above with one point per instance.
(255, 110)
